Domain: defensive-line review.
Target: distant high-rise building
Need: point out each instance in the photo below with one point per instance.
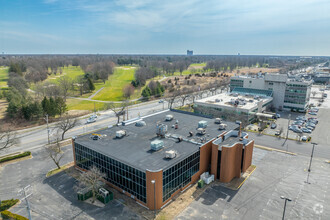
(190, 52)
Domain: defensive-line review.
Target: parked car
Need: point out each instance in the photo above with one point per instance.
(273, 126)
(315, 109)
(297, 130)
(161, 101)
(310, 125)
(278, 132)
(278, 115)
(304, 138)
(312, 113)
(306, 130)
(310, 128)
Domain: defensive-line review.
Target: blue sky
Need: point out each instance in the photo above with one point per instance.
(270, 27)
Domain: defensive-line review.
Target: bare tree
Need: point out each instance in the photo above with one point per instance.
(314, 93)
(66, 123)
(128, 91)
(7, 138)
(91, 179)
(171, 98)
(118, 110)
(54, 152)
(65, 84)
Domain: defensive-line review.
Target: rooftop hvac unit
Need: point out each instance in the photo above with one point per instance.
(161, 130)
(169, 117)
(222, 126)
(120, 133)
(217, 100)
(217, 121)
(202, 124)
(170, 154)
(157, 145)
(201, 131)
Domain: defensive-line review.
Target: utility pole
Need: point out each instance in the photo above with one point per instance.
(286, 199)
(25, 192)
(46, 119)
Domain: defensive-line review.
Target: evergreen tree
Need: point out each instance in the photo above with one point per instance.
(90, 84)
(146, 92)
(52, 111)
(60, 105)
(45, 105)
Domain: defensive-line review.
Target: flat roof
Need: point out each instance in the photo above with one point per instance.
(225, 100)
(134, 148)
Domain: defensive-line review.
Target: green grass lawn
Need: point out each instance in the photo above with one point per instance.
(3, 76)
(113, 88)
(76, 104)
(198, 64)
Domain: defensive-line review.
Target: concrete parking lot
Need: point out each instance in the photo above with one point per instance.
(276, 175)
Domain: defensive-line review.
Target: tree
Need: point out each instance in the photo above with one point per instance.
(54, 152)
(314, 93)
(45, 105)
(60, 105)
(128, 91)
(65, 84)
(91, 179)
(146, 92)
(90, 84)
(118, 110)
(66, 123)
(7, 138)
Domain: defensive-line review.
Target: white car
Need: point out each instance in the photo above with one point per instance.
(304, 138)
(91, 120)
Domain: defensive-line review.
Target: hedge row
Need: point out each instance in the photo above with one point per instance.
(9, 215)
(27, 153)
(6, 204)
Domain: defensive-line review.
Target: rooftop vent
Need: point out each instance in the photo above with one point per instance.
(169, 117)
(140, 123)
(170, 154)
(157, 145)
(120, 133)
(202, 124)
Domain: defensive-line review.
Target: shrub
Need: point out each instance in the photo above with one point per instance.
(6, 204)
(27, 153)
(9, 215)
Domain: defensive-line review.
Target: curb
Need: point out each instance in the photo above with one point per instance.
(273, 149)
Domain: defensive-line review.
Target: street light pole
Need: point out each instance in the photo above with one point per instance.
(286, 199)
(154, 182)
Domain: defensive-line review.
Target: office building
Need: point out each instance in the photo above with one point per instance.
(287, 93)
(154, 158)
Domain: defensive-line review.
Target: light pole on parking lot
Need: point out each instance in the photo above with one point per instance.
(310, 162)
(286, 199)
(287, 131)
